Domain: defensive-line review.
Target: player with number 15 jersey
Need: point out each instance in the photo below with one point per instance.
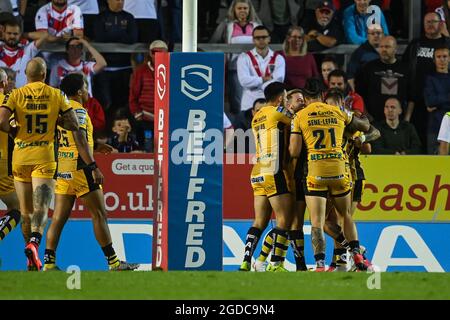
(36, 108)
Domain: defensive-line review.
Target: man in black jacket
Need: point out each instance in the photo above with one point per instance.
(112, 85)
(397, 136)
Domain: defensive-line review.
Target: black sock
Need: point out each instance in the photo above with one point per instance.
(8, 222)
(320, 259)
(338, 253)
(253, 235)
(354, 247)
(110, 254)
(341, 239)
(297, 240)
(49, 256)
(36, 238)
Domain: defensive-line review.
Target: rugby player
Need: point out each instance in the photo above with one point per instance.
(270, 175)
(36, 107)
(320, 127)
(79, 177)
(295, 102)
(7, 192)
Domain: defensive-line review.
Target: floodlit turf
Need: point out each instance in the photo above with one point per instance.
(223, 285)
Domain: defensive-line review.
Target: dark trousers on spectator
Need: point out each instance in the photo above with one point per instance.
(88, 21)
(112, 88)
(148, 30)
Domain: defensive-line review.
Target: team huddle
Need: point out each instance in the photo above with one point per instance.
(46, 134)
(307, 147)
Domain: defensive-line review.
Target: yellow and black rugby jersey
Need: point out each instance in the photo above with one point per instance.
(322, 127)
(68, 159)
(270, 127)
(36, 107)
(353, 152)
(6, 148)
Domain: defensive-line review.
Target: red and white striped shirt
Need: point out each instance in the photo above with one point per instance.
(57, 22)
(17, 59)
(63, 68)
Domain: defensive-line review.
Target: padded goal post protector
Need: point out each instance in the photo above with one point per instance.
(189, 97)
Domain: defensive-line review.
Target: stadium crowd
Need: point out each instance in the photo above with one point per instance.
(121, 84)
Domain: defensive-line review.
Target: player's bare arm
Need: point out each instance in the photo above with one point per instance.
(359, 124)
(79, 136)
(69, 121)
(372, 134)
(295, 145)
(5, 114)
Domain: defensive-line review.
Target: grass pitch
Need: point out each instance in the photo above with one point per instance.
(223, 285)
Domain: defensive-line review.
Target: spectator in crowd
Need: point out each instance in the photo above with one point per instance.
(123, 138)
(73, 63)
(4, 18)
(15, 53)
(96, 113)
(236, 28)
(328, 64)
(397, 136)
(324, 30)
(142, 89)
(338, 79)
(300, 65)
(144, 11)
(419, 56)
(244, 120)
(170, 18)
(60, 20)
(258, 68)
(437, 96)
(366, 52)
(11, 79)
(89, 9)
(444, 13)
(382, 78)
(358, 17)
(444, 135)
(278, 16)
(114, 25)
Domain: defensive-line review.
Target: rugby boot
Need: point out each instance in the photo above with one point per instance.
(33, 261)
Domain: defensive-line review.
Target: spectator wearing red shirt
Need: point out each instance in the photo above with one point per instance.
(300, 65)
(142, 92)
(338, 79)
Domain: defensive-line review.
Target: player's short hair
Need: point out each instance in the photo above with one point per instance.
(273, 90)
(72, 83)
(335, 93)
(294, 91)
(312, 88)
